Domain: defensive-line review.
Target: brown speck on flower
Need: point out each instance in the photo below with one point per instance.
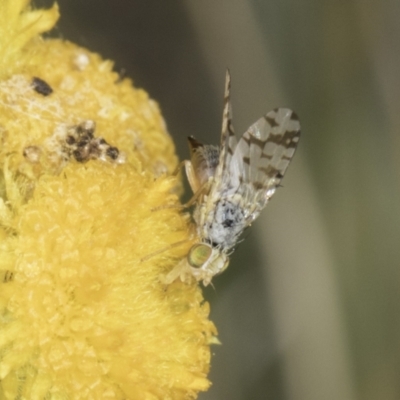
(42, 87)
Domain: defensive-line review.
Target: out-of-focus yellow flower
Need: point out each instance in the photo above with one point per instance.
(84, 159)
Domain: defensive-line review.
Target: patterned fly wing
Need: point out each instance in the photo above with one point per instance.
(208, 161)
(255, 170)
(262, 156)
(228, 139)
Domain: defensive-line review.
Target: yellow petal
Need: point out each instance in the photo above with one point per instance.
(86, 231)
(18, 25)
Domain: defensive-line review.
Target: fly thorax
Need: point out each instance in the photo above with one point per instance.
(227, 222)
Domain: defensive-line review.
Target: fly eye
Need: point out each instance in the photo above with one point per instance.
(199, 254)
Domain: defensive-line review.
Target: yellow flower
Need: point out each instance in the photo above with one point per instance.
(84, 160)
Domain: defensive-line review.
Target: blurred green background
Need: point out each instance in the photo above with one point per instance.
(309, 307)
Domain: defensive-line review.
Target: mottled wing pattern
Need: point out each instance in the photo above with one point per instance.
(262, 156)
(213, 161)
(228, 139)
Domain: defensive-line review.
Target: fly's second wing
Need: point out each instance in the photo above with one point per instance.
(228, 142)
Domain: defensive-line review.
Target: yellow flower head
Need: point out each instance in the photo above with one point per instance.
(84, 163)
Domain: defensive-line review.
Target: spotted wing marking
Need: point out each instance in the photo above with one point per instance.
(262, 156)
(228, 138)
(208, 160)
(259, 161)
